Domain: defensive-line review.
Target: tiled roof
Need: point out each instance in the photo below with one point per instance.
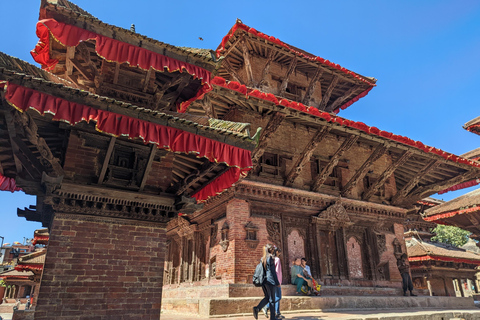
(15, 273)
(37, 257)
(416, 248)
(467, 200)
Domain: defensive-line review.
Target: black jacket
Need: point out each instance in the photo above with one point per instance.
(271, 274)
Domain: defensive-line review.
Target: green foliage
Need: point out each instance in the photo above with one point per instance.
(2, 283)
(451, 235)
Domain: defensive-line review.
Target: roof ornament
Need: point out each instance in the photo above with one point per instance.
(132, 27)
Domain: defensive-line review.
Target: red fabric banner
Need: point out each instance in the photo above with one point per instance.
(37, 239)
(235, 86)
(451, 214)
(107, 48)
(29, 267)
(8, 184)
(167, 138)
(241, 26)
(441, 258)
(460, 186)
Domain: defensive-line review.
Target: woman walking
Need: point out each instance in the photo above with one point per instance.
(271, 282)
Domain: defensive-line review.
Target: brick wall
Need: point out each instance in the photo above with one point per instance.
(82, 164)
(102, 268)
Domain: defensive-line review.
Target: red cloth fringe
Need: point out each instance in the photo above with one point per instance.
(232, 85)
(28, 267)
(171, 139)
(451, 214)
(441, 258)
(107, 48)
(462, 185)
(8, 184)
(274, 40)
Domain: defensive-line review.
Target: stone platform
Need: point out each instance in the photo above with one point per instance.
(221, 307)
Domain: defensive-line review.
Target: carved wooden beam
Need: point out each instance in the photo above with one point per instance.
(266, 135)
(196, 176)
(68, 62)
(306, 155)
(347, 144)
(108, 155)
(173, 96)
(339, 101)
(427, 190)
(386, 174)
(207, 106)
(148, 78)
(286, 78)
(266, 68)
(30, 132)
(473, 220)
(148, 166)
(407, 188)
(362, 171)
(232, 71)
(328, 93)
(84, 53)
(247, 63)
(312, 86)
(116, 73)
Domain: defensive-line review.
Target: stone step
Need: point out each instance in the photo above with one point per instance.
(218, 307)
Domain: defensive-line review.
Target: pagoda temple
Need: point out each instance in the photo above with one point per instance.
(164, 169)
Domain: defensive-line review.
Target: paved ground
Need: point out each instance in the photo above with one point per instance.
(364, 315)
(6, 316)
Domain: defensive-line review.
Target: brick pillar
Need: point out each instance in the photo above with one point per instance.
(102, 268)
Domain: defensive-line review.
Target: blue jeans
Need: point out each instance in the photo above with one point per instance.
(278, 297)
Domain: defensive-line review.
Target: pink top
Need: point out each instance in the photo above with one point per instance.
(278, 269)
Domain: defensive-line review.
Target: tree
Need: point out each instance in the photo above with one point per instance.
(451, 235)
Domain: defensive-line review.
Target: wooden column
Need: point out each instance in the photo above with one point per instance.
(328, 93)
(286, 78)
(247, 63)
(314, 82)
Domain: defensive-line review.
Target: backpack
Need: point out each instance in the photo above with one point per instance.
(259, 275)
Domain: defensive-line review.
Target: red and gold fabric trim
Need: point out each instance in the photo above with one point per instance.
(241, 26)
(29, 267)
(8, 184)
(171, 139)
(107, 48)
(38, 239)
(463, 185)
(14, 277)
(248, 92)
(451, 214)
(442, 258)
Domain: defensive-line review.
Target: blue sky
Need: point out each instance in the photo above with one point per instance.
(425, 56)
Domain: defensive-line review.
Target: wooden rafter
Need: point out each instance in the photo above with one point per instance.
(327, 170)
(148, 78)
(386, 175)
(108, 155)
(207, 106)
(247, 63)
(161, 88)
(148, 166)
(266, 68)
(196, 176)
(116, 73)
(306, 155)
(424, 191)
(232, 71)
(271, 127)
(407, 188)
(340, 100)
(286, 78)
(362, 171)
(328, 93)
(312, 86)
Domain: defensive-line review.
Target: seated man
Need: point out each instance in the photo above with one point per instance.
(307, 274)
(298, 277)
